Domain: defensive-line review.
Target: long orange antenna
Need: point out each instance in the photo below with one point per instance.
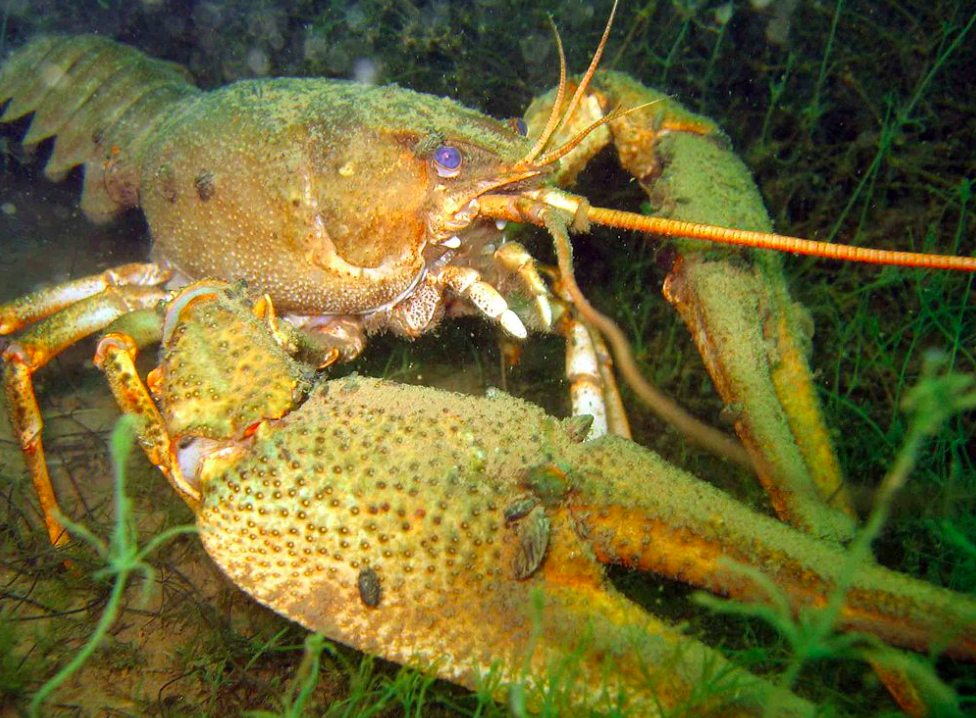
(533, 205)
(781, 243)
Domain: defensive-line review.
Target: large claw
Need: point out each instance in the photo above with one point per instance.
(477, 525)
(464, 535)
(428, 529)
(752, 337)
(675, 525)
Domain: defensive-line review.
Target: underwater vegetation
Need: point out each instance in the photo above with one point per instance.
(857, 124)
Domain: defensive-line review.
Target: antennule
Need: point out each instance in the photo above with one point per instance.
(554, 113)
(570, 145)
(562, 118)
(588, 75)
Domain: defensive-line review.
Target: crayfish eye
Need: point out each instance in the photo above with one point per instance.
(518, 126)
(447, 161)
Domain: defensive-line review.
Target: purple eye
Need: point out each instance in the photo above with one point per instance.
(447, 161)
(518, 126)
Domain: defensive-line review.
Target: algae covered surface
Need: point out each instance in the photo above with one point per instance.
(857, 121)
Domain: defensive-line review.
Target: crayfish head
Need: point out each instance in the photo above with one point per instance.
(405, 178)
(461, 172)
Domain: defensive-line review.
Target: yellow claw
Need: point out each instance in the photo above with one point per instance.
(465, 535)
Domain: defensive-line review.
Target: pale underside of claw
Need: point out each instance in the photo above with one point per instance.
(515, 259)
(466, 283)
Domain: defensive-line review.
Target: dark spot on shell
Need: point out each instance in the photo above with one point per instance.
(369, 587)
(533, 542)
(205, 185)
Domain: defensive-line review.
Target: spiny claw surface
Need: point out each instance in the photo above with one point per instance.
(410, 487)
(420, 488)
(465, 535)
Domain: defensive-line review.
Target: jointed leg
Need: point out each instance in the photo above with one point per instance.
(514, 259)
(41, 343)
(586, 388)
(616, 414)
(26, 310)
(26, 420)
(589, 368)
(592, 384)
(116, 356)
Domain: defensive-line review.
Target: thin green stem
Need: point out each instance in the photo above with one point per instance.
(776, 90)
(888, 134)
(965, 192)
(104, 623)
(901, 118)
(713, 58)
(122, 555)
(814, 110)
(639, 22)
(307, 676)
(936, 67)
(669, 60)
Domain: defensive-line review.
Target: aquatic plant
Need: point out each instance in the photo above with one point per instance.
(122, 555)
(812, 635)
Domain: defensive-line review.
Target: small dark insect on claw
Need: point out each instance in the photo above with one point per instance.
(519, 510)
(533, 542)
(369, 587)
